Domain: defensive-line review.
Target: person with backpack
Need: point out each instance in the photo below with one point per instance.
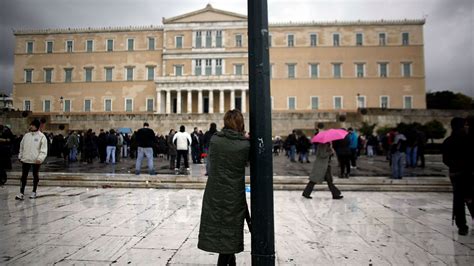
(397, 152)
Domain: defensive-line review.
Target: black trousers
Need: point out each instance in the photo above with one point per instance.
(226, 259)
(345, 164)
(184, 154)
(460, 191)
(25, 170)
(354, 157)
(334, 190)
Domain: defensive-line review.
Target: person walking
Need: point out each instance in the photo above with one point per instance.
(224, 205)
(33, 151)
(303, 145)
(322, 171)
(182, 139)
(207, 140)
(172, 149)
(291, 144)
(397, 154)
(195, 144)
(458, 157)
(6, 140)
(145, 139)
(353, 144)
(111, 142)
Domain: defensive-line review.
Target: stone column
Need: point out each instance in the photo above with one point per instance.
(168, 101)
(178, 102)
(158, 102)
(200, 102)
(221, 101)
(211, 101)
(244, 101)
(190, 101)
(232, 99)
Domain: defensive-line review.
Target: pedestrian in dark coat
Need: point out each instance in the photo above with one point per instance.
(343, 153)
(89, 146)
(172, 152)
(102, 145)
(207, 140)
(6, 139)
(224, 205)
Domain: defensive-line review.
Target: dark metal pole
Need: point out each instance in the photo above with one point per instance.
(261, 161)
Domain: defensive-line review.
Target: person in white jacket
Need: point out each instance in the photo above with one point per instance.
(182, 140)
(33, 151)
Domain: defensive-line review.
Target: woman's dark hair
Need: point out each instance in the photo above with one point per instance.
(234, 120)
(213, 128)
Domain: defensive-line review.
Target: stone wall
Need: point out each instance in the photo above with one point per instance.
(283, 122)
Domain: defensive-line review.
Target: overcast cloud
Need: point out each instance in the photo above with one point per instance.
(449, 44)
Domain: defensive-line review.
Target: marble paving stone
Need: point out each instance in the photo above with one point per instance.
(405, 253)
(405, 225)
(60, 226)
(163, 238)
(457, 260)
(105, 248)
(137, 256)
(111, 219)
(14, 246)
(133, 228)
(83, 263)
(48, 255)
(438, 244)
(80, 236)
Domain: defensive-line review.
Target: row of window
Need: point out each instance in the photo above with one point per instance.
(215, 67)
(66, 105)
(213, 39)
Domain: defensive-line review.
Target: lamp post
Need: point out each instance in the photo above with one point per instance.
(61, 99)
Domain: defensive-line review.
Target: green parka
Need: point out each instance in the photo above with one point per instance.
(320, 165)
(224, 203)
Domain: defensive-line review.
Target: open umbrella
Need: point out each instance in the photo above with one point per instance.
(329, 135)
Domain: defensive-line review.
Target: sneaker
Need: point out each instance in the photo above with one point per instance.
(463, 231)
(33, 195)
(20, 197)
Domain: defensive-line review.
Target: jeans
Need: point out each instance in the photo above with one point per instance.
(398, 161)
(292, 152)
(125, 151)
(370, 150)
(73, 154)
(110, 153)
(303, 157)
(24, 174)
(195, 154)
(411, 154)
(148, 153)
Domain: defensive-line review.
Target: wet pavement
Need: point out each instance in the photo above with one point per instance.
(79, 226)
(376, 166)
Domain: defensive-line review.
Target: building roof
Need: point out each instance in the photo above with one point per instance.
(207, 14)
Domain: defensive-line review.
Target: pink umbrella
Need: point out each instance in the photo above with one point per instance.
(329, 135)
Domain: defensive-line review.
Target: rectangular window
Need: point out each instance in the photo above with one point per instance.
(198, 39)
(291, 71)
(407, 102)
(87, 105)
(128, 105)
(361, 101)
(69, 46)
(219, 39)
(178, 70)
(67, 105)
(47, 106)
(179, 41)
(130, 44)
(208, 67)
(151, 72)
(27, 105)
(197, 67)
(314, 102)
(382, 39)
(383, 70)
(238, 40)
(49, 47)
(337, 70)
(28, 75)
(108, 105)
(218, 67)
(384, 103)
(29, 47)
(313, 40)
(88, 71)
(291, 40)
(110, 45)
(405, 38)
(151, 43)
(238, 69)
(108, 74)
(313, 70)
(335, 39)
(149, 105)
(291, 103)
(89, 46)
(129, 73)
(48, 75)
(360, 70)
(338, 102)
(406, 70)
(208, 39)
(359, 39)
(68, 75)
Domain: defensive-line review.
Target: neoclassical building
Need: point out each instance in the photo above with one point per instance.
(198, 63)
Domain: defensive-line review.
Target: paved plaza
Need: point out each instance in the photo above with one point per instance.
(80, 226)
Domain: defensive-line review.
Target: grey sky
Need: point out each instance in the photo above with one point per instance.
(449, 38)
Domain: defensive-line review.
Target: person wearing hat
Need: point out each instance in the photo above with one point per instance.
(33, 151)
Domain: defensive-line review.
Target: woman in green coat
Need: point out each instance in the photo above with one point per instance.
(224, 204)
(322, 171)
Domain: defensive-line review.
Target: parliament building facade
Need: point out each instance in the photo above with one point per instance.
(198, 63)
